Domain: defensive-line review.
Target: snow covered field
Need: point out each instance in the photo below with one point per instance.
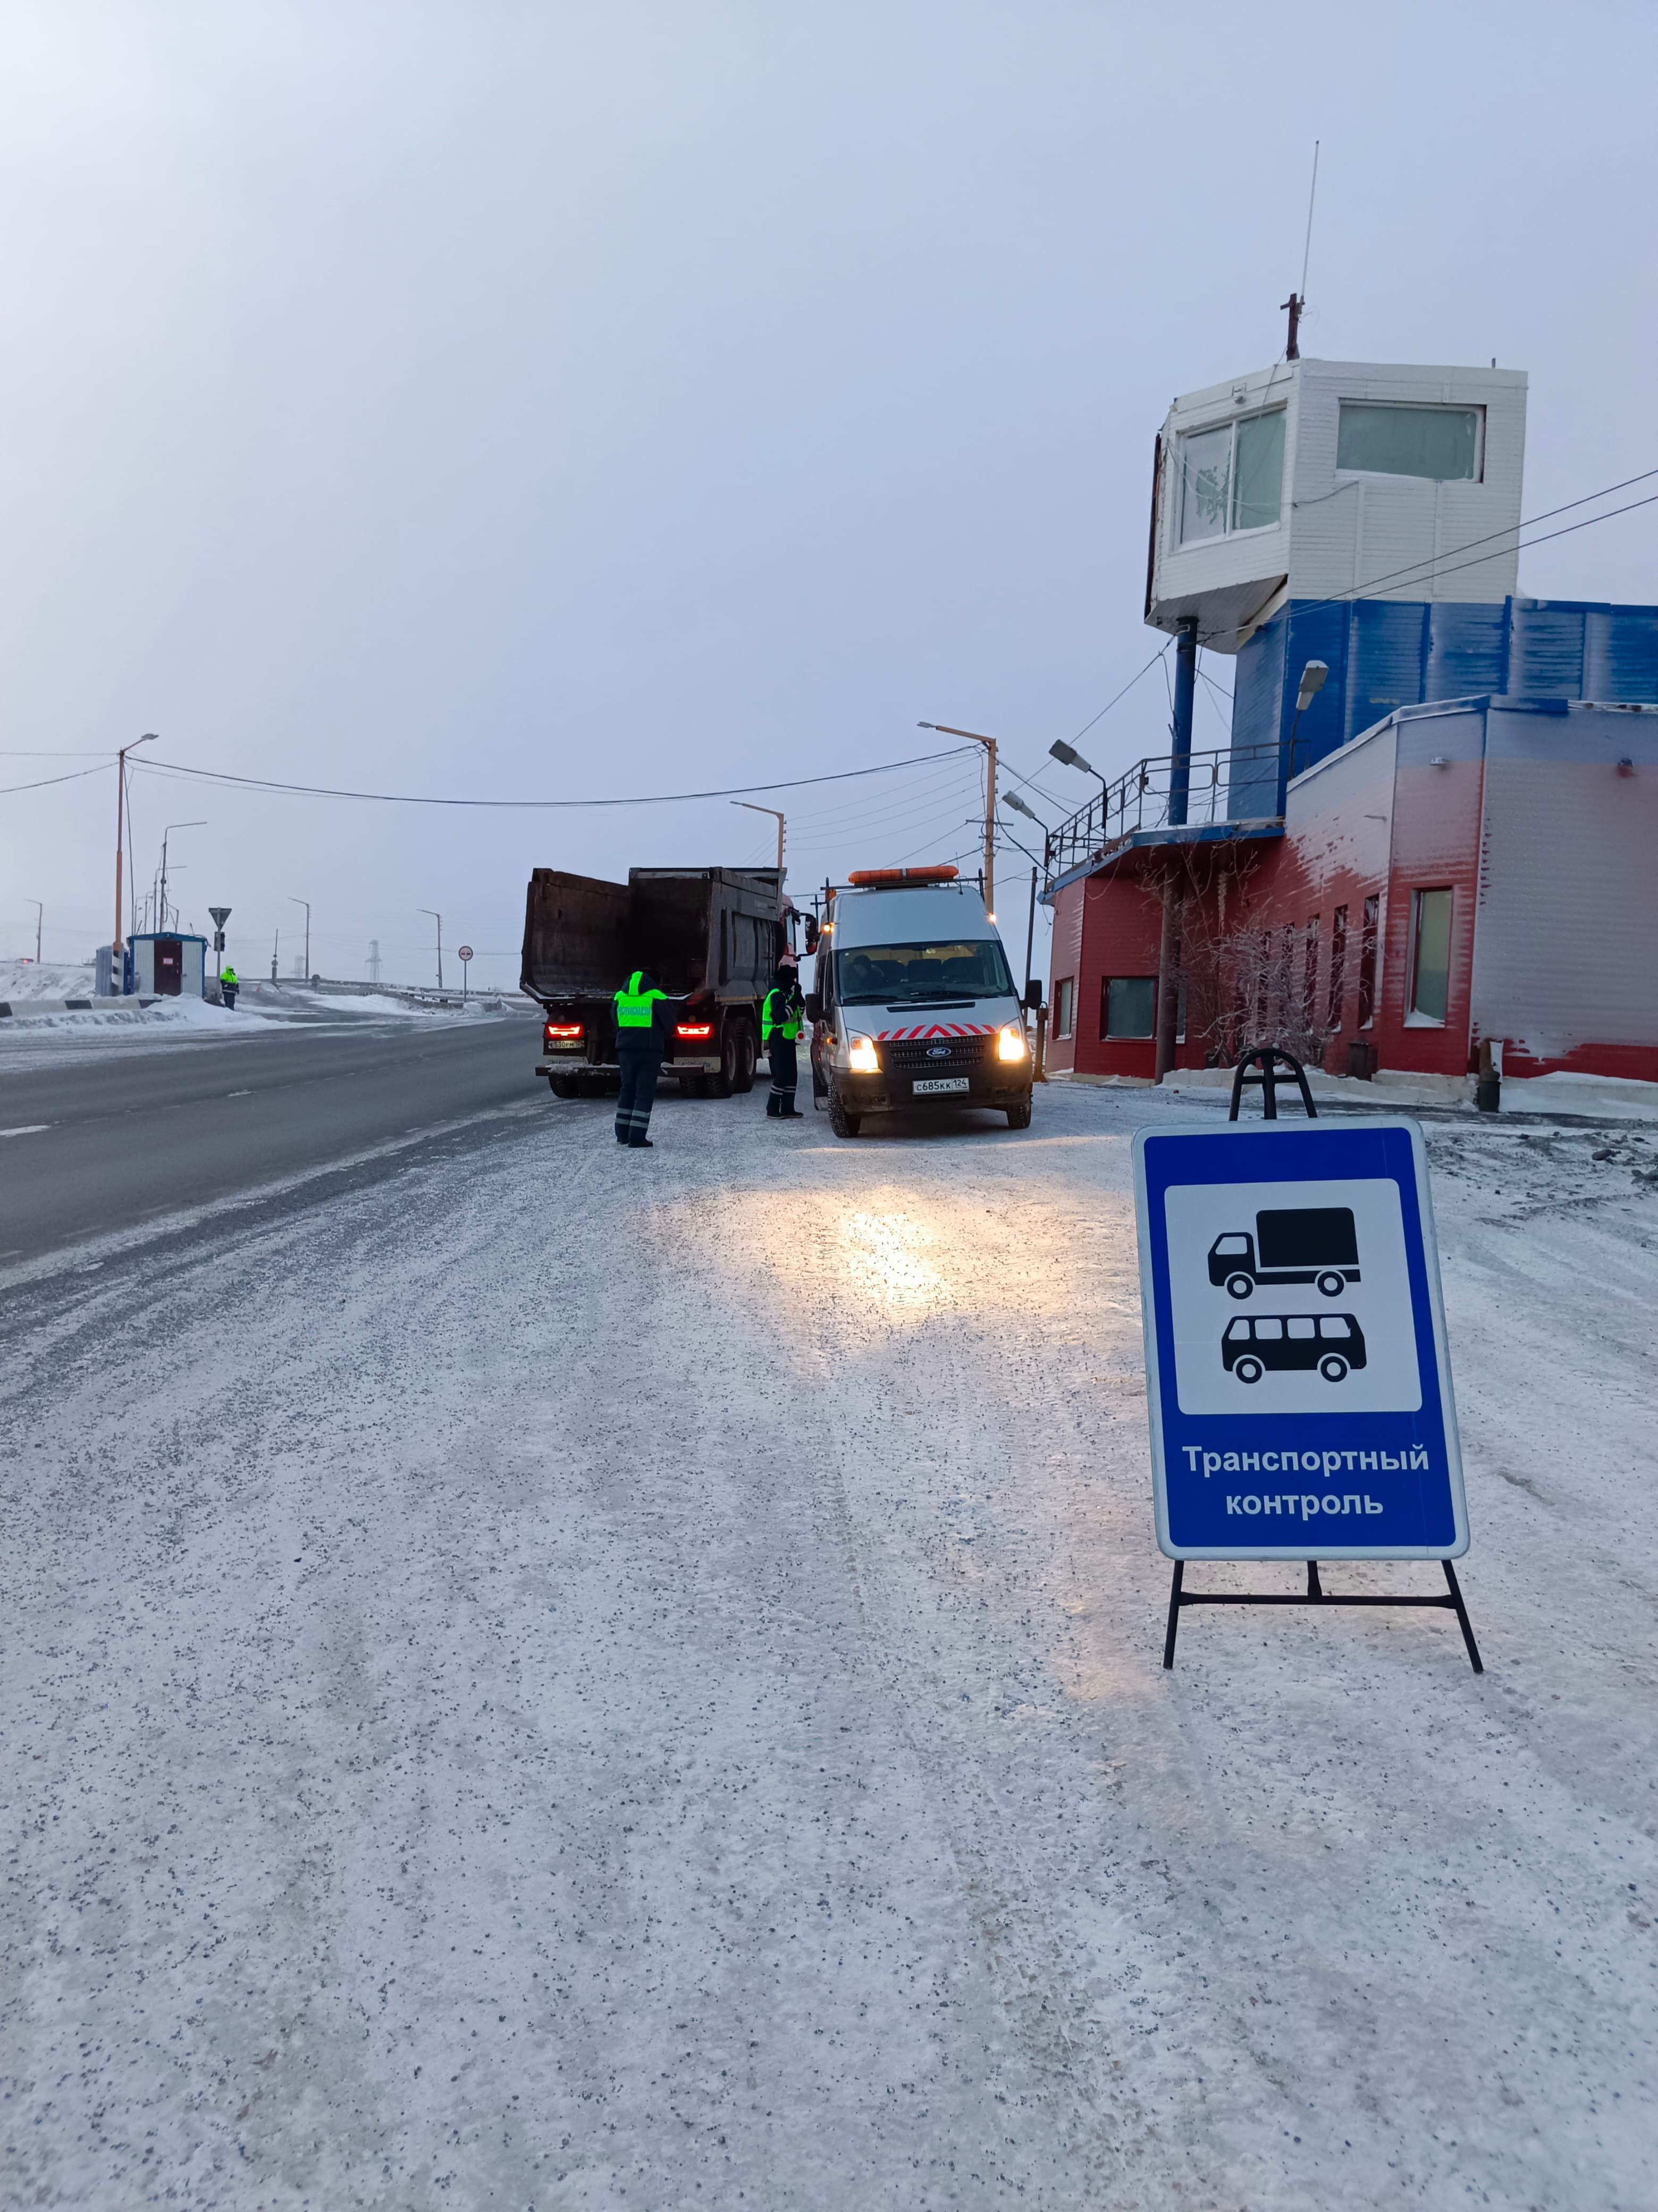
(115, 1029)
(559, 1679)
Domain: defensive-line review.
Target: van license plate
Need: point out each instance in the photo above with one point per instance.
(926, 1085)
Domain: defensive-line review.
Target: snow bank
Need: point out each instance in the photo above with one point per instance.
(47, 979)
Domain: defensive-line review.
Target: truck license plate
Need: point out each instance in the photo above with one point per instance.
(926, 1085)
(567, 1044)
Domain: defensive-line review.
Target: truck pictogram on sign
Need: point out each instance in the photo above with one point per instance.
(1291, 1244)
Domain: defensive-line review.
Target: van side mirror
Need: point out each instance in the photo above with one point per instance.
(814, 1006)
(810, 922)
(1033, 998)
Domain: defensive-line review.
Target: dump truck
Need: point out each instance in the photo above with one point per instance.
(712, 935)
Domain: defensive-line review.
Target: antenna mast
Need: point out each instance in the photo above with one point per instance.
(1296, 302)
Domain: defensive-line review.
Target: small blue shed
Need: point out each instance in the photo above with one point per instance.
(165, 966)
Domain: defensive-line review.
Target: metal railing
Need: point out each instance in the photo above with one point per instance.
(1139, 799)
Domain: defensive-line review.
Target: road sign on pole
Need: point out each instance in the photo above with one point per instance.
(221, 915)
(465, 956)
(1298, 1382)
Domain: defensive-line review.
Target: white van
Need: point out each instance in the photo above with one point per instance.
(915, 1009)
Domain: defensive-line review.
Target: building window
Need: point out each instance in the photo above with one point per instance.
(1064, 1007)
(1443, 444)
(1128, 1006)
(1338, 968)
(1430, 955)
(1367, 952)
(1309, 979)
(1232, 478)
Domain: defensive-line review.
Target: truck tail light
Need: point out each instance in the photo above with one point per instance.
(693, 1028)
(562, 1029)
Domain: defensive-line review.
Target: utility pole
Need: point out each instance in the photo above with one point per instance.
(276, 947)
(374, 960)
(148, 739)
(437, 918)
(772, 810)
(305, 903)
(989, 743)
(39, 916)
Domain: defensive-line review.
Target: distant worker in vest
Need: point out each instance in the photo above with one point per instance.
(780, 1020)
(642, 1010)
(229, 983)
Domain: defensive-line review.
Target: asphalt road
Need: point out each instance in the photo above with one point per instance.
(105, 1145)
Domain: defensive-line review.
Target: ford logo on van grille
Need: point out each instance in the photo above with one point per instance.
(939, 1052)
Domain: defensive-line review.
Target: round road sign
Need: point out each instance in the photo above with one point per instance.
(465, 951)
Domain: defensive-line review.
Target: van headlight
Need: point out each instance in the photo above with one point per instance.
(861, 1055)
(1009, 1042)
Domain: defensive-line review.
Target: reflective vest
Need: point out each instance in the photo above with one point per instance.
(229, 976)
(781, 1013)
(636, 1009)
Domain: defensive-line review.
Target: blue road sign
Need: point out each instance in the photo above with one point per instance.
(1297, 1381)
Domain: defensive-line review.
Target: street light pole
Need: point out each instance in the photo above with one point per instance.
(772, 811)
(305, 903)
(39, 916)
(437, 918)
(150, 738)
(989, 743)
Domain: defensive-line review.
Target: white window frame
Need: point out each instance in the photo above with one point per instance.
(1420, 407)
(1413, 1018)
(1229, 423)
(1064, 1008)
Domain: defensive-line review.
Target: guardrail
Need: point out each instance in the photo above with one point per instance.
(1140, 799)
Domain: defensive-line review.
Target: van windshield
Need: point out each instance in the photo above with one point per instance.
(909, 974)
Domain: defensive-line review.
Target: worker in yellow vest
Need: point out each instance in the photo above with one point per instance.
(641, 1040)
(229, 984)
(780, 1020)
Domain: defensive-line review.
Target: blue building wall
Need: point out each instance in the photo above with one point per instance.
(1384, 653)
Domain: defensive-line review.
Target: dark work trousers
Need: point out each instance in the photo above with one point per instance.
(785, 1073)
(632, 1108)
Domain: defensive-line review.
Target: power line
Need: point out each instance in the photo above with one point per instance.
(415, 799)
(73, 777)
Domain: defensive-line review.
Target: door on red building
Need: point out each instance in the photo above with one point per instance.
(169, 967)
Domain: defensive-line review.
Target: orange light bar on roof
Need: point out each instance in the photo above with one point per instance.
(940, 872)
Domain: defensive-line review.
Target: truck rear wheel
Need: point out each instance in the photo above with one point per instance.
(562, 1086)
(842, 1123)
(725, 1083)
(747, 1054)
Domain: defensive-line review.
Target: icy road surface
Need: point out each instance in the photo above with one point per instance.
(542, 1678)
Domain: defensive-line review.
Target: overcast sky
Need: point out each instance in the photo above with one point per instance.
(578, 400)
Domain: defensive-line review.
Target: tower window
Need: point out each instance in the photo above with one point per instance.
(1232, 478)
(1442, 444)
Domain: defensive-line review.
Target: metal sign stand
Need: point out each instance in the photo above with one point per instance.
(1262, 1068)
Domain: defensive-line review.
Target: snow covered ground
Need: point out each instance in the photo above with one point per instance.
(118, 1028)
(560, 1678)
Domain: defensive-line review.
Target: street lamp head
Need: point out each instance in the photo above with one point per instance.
(1312, 682)
(1068, 757)
(1011, 800)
